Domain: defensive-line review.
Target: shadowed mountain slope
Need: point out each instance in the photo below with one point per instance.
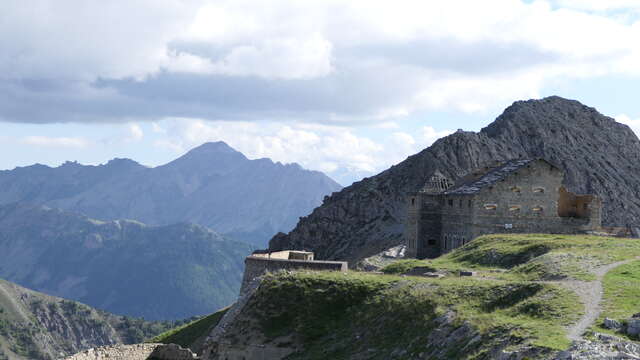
(599, 156)
(125, 267)
(212, 185)
(36, 326)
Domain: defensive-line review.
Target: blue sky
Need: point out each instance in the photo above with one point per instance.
(346, 87)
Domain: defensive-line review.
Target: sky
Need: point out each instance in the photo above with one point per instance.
(347, 87)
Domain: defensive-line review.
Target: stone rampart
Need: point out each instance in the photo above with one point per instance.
(256, 266)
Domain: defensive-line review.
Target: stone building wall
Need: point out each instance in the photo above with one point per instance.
(530, 199)
(256, 266)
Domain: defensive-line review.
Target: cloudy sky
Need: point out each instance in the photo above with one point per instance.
(345, 87)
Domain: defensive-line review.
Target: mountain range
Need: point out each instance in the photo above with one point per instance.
(598, 155)
(212, 185)
(122, 266)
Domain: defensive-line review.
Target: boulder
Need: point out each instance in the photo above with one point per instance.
(171, 352)
(633, 327)
(612, 324)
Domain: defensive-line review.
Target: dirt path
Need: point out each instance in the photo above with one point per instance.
(590, 293)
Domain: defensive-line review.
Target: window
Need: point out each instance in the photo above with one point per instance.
(537, 209)
(460, 203)
(431, 241)
(514, 208)
(413, 201)
(469, 203)
(585, 206)
(491, 207)
(538, 189)
(450, 202)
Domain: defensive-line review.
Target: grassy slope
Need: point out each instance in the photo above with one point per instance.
(621, 294)
(335, 315)
(536, 256)
(339, 316)
(191, 335)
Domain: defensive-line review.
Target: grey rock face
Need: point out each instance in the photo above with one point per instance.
(604, 347)
(598, 154)
(212, 185)
(36, 326)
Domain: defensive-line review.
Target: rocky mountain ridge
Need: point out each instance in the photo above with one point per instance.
(599, 156)
(36, 326)
(212, 185)
(123, 266)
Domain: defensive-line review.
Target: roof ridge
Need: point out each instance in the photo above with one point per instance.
(490, 177)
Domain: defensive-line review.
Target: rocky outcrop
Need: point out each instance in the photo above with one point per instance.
(123, 266)
(598, 154)
(212, 185)
(171, 352)
(36, 326)
(602, 347)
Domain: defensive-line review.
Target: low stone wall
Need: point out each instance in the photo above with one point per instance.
(116, 352)
(256, 266)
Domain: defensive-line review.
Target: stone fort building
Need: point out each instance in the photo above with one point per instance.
(518, 196)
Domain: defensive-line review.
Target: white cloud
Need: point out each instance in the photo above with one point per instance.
(325, 61)
(336, 150)
(157, 128)
(134, 133)
(601, 5)
(634, 124)
(55, 142)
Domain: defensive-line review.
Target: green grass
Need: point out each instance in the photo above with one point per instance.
(340, 315)
(503, 303)
(405, 266)
(536, 256)
(621, 294)
(187, 334)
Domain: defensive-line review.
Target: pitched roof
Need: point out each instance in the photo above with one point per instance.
(489, 178)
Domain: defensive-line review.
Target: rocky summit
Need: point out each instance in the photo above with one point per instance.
(599, 155)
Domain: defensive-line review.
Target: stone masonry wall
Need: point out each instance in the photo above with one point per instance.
(256, 266)
(527, 201)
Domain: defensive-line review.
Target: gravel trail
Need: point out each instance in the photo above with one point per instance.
(590, 293)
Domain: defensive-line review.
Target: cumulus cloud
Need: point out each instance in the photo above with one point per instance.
(599, 5)
(634, 124)
(331, 62)
(336, 150)
(55, 142)
(134, 133)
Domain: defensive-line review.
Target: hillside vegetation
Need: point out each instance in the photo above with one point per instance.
(124, 267)
(532, 256)
(522, 299)
(36, 326)
(191, 335)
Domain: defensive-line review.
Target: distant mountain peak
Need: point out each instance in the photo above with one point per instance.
(213, 147)
(122, 163)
